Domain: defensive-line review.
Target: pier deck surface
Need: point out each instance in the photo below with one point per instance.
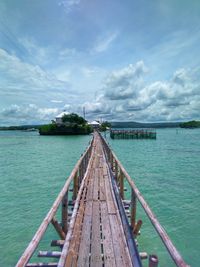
(97, 236)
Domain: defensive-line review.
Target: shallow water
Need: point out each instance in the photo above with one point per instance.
(33, 169)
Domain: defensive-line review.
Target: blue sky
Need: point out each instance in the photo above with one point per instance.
(121, 60)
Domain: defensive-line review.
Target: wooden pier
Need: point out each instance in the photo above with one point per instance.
(102, 229)
(133, 134)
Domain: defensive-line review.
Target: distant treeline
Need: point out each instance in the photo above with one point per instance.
(130, 124)
(190, 124)
(133, 124)
(21, 127)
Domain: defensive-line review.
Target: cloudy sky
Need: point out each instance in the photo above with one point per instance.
(131, 60)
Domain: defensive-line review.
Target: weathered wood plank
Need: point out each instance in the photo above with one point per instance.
(102, 185)
(96, 257)
(96, 183)
(109, 197)
(85, 242)
(109, 256)
(116, 237)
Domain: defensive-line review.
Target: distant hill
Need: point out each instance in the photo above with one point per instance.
(133, 124)
(20, 127)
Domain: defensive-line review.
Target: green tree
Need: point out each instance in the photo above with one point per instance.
(105, 125)
(73, 118)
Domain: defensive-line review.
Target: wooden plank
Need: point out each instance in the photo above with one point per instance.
(117, 241)
(96, 257)
(90, 186)
(84, 250)
(102, 185)
(96, 184)
(109, 256)
(109, 197)
(67, 251)
(72, 256)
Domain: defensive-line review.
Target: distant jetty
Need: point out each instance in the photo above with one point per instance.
(133, 134)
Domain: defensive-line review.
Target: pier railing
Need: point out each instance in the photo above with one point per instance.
(75, 178)
(120, 175)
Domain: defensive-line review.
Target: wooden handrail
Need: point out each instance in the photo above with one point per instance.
(175, 255)
(42, 229)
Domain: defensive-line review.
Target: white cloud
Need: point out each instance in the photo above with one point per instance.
(29, 82)
(124, 83)
(124, 98)
(104, 43)
(56, 101)
(69, 4)
(27, 114)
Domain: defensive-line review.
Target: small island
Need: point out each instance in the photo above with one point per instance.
(190, 124)
(66, 124)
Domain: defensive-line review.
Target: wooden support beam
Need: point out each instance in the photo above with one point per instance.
(65, 213)
(137, 227)
(49, 254)
(42, 264)
(121, 184)
(57, 243)
(58, 228)
(116, 171)
(133, 209)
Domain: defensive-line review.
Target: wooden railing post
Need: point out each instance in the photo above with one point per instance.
(116, 171)
(133, 209)
(65, 213)
(121, 184)
(75, 189)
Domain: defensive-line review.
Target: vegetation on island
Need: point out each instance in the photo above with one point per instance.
(72, 124)
(105, 126)
(190, 124)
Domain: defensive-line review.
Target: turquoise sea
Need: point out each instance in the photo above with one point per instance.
(33, 169)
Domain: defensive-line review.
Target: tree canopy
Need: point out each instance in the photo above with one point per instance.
(190, 124)
(74, 118)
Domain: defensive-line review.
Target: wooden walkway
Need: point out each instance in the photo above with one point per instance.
(102, 229)
(97, 236)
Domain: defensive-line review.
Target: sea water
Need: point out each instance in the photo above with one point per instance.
(33, 169)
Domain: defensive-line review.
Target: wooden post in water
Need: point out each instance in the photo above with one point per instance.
(133, 209)
(153, 261)
(65, 213)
